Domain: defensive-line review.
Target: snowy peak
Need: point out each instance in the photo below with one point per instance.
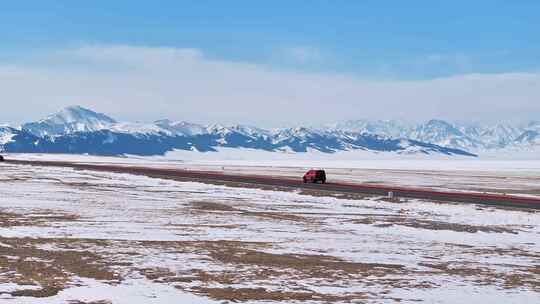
(499, 136)
(219, 129)
(436, 127)
(250, 131)
(69, 120)
(79, 115)
(437, 131)
(241, 130)
(181, 128)
(300, 132)
(442, 133)
(385, 128)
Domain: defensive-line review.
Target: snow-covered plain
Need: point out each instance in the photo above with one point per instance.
(518, 177)
(145, 240)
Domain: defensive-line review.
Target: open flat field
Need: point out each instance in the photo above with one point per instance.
(71, 236)
(515, 177)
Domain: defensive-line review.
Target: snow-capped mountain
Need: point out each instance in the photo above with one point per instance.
(387, 128)
(479, 138)
(79, 130)
(499, 136)
(181, 127)
(69, 120)
(442, 133)
(473, 137)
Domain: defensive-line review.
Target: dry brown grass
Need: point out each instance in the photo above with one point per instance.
(238, 263)
(254, 265)
(225, 208)
(387, 221)
(520, 276)
(263, 294)
(212, 206)
(308, 265)
(248, 263)
(9, 219)
(52, 270)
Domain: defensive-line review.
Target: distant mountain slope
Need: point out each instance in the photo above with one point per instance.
(465, 136)
(443, 133)
(79, 130)
(529, 137)
(387, 128)
(14, 140)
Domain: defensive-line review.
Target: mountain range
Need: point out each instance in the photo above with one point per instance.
(471, 137)
(79, 130)
(82, 131)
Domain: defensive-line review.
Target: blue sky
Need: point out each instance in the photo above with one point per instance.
(250, 60)
(399, 39)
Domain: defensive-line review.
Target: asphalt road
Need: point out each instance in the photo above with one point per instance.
(380, 190)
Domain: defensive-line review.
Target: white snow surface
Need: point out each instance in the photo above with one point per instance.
(129, 208)
(521, 177)
(130, 292)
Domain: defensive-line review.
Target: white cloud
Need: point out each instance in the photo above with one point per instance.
(145, 83)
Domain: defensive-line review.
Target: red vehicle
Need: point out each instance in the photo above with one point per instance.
(315, 176)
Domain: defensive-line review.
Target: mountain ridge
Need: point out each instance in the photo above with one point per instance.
(476, 138)
(79, 130)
